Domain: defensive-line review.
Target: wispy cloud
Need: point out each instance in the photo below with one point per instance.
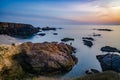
(63, 12)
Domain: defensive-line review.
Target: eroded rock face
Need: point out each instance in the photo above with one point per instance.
(42, 58)
(17, 29)
(109, 62)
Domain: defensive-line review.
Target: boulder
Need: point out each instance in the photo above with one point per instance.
(88, 38)
(67, 39)
(109, 62)
(46, 58)
(103, 29)
(17, 29)
(109, 49)
(88, 43)
(41, 34)
(48, 28)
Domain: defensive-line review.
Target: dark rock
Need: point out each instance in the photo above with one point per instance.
(109, 62)
(109, 49)
(17, 29)
(46, 58)
(96, 34)
(67, 39)
(55, 33)
(88, 38)
(88, 72)
(48, 28)
(92, 71)
(103, 29)
(95, 71)
(42, 34)
(88, 43)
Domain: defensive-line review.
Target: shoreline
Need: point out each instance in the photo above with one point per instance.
(7, 40)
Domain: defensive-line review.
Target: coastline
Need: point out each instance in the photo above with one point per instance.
(7, 40)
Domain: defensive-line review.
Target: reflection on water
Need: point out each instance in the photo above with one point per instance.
(86, 56)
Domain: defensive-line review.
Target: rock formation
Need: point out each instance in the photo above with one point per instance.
(42, 58)
(88, 41)
(67, 39)
(17, 29)
(109, 62)
(37, 59)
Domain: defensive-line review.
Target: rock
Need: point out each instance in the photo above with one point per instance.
(109, 62)
(9, 68)
(106, 75)
(17, 29)
(46, 58)
(42, 34)
(88, 72)
(88, 43)
(92, 71)
(48, 28)
(96, 34)
(88, 38)
(95, 71)
(55, 33)
(103, 29)
(67, 39)
(109, 49)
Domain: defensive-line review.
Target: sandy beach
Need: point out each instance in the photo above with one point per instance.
(5, 39)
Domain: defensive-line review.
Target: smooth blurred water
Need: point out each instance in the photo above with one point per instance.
(86, 56)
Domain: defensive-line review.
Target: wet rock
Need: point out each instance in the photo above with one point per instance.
(103, 29)
(18, 29)
(88, 43)
(95, 35)
(92, 71)
(109, 62)
(42, 34)
(55, 33)
(46, 58)
(109, 49)
(48, 28)
(88, 38)
(67, 39)
(95, 71)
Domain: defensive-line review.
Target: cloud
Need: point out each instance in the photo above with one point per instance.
(65, 11)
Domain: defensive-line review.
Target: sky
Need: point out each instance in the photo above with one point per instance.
(60, 12)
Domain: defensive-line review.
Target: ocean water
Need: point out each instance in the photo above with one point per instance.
(86, 56)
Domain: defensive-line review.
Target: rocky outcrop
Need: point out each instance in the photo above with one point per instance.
(17, 29)
(67, 39)
(109, 62)
(48, 28)
(109, 49)
(103, 29)
(88, 41)
(46, 58)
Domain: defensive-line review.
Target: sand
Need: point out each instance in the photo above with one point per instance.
(5, 39)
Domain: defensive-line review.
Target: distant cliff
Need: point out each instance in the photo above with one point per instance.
(17, 29)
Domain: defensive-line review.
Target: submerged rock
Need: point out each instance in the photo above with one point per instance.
(42, 34)
(109, 49)
(103, 29)
(88, 43)
(92, 71)
(48, 28)
(109, 62)
(46, 58)
(55, 33)
(67, 39)
(88, 38)
(17, 29)
(95, 35)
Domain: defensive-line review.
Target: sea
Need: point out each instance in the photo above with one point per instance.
(86, 55)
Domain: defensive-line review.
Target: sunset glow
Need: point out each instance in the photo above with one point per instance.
(61, 11)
